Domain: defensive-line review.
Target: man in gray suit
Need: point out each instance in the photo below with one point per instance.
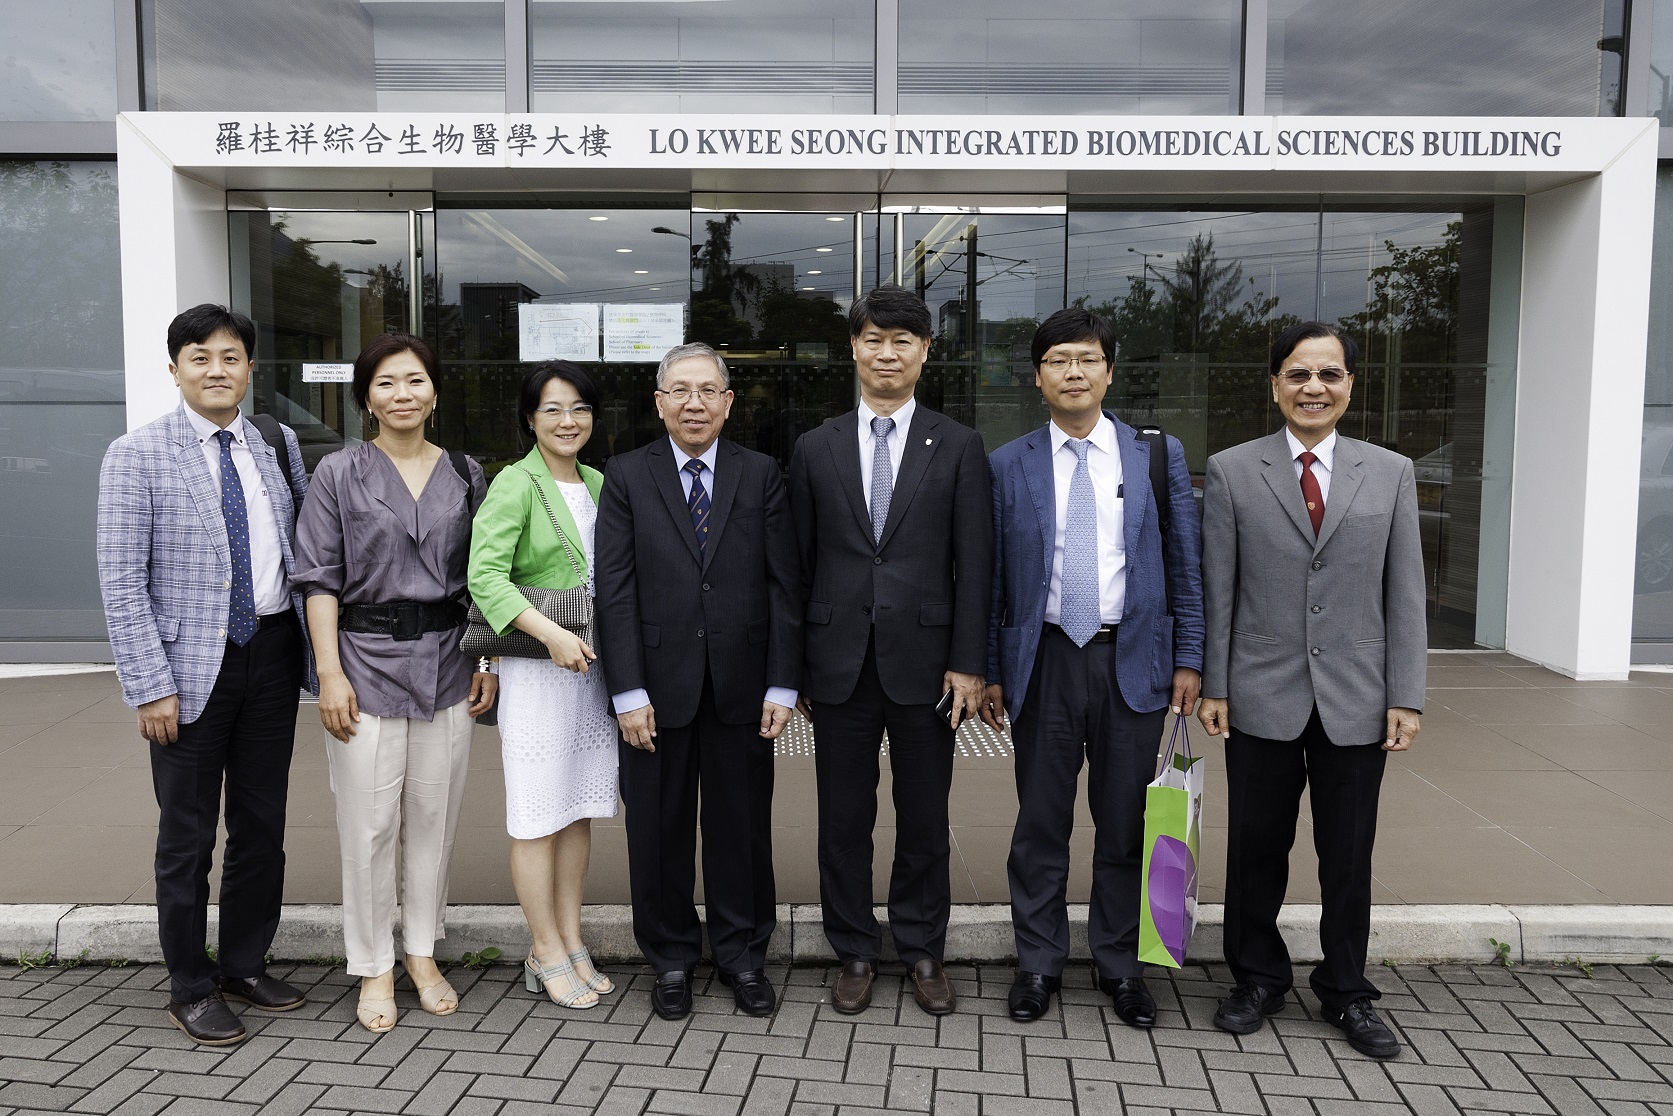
(1316, 656)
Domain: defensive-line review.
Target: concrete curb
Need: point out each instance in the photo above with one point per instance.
(976, 933)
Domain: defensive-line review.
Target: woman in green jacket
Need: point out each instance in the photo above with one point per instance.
(556, 735)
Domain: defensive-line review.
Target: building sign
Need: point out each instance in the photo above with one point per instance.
(643, 331)
(669, 140)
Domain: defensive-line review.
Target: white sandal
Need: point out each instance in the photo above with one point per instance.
(372, 1013)
(598, 982)
(537, 977)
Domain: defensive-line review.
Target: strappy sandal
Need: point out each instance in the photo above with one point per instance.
(598, 982)
(432, 997)
(373, 1013)
(537, 977)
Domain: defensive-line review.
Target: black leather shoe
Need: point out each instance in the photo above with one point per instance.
(1030, 995)
(264, 992)
(1244, 1012)
(751, 991)
(671, 995)
(1366, 1031)
(207, 1022)
(1132, 1000)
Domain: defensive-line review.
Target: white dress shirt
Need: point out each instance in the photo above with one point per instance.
(896, 442)
(267, 558)
(629, 700)
(1103, 462)
(1325, 451)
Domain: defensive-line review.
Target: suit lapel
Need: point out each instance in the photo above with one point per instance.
(200, 482)
(1135, 472)
(1042, 489)
(665, 470)
(922, 440)
(1346, 473)
(843, 442)
(1280, 477)
(727, 470)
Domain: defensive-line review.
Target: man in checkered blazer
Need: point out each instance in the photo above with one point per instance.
(197, 523)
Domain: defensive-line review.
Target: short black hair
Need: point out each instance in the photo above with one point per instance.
(1068, 326)
(380, 349)
(205, 320)
(891, 307)
(1287, 341)
(541, 375)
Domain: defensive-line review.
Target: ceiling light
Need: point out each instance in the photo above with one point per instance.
(642, 271)
(624, 251)
(656, 288)
(815, 272)
(599, 218)
(824, 249)
(838, 219)
(810, 288)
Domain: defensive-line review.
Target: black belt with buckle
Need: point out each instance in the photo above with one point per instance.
(402, 620)
(274, 619)
(1105, 634)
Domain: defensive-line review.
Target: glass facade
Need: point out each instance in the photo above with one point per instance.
(347, 55)
(740, 56)
(1652, 614)
(58, 61)
(1075, 56)
(61, 391)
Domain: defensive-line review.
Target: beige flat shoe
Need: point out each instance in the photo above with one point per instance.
(377, 1016)
(438, 998)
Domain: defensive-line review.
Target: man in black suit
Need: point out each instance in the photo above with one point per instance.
(892, 507)
(700, 640)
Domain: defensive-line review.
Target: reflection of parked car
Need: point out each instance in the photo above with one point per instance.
(315, 438)
(1433, 472)
(1655, 511)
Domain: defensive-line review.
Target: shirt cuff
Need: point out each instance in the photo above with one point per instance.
(781, 695)
(629, 700)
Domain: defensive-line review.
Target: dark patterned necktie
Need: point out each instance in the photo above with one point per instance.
(698, 504)
(882, 476)
(241, 614)
(1311, 492)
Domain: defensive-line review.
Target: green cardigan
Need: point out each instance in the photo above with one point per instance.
(512, 542)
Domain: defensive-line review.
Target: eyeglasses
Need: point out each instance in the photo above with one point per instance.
(579, 411)
(1298, 377)
(1061, 364)
(709, 394)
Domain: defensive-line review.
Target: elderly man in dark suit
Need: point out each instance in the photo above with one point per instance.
(1317, 652)
(891, 510)
(700, 640)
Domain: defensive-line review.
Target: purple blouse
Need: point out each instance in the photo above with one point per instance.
(363, 539)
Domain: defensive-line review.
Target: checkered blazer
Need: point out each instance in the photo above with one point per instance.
(164, 564)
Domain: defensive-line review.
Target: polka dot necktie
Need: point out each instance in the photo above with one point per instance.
(1079, 610)
(1311, 492)
(698, 504)
(241, 615)
(882, 476)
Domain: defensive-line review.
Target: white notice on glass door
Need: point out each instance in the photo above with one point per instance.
(557, 331)
(328, 373)
(643, 331)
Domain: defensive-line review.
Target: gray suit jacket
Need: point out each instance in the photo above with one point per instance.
(1295, 621)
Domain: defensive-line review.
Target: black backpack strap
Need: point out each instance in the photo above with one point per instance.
(1157, 440)
(274, 435)
(462, 465)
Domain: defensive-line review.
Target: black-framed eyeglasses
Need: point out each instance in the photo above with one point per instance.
(1061, 363)
(1297, 377)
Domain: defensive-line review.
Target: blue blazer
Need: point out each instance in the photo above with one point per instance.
(1149, 644)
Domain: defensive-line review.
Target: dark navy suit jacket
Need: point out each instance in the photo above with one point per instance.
(1150, 643)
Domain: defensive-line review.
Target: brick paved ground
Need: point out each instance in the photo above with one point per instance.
(1479, 1039)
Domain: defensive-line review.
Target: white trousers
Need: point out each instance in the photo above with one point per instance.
(399, 783)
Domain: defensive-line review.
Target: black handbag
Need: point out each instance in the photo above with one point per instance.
(570, 609)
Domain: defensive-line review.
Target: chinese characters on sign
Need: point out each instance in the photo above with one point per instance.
(338, 138)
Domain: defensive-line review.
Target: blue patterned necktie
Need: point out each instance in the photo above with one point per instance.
(1079, 613)
(882, 476)
(698, 504)
(241, 615)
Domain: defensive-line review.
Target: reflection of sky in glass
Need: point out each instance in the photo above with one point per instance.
(787, 247)
(565, 254)
(388, 229)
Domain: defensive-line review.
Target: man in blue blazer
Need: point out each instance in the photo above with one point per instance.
(1096, 629)
(197, 524)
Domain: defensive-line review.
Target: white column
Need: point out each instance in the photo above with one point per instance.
(1579, 417)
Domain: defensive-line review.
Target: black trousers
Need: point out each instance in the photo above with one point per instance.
(1074, 708)
(1263, 788)
(243, 739)
(733, 767)
(847, 739)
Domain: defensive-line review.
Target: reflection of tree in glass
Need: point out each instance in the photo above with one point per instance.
(726, 289)
(307, 307)
(788, 319)
(1412, 314)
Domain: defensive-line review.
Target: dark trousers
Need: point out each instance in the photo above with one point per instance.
(847, 738)
(243, 739)
(1263, 794)
(733, 766)
(1074, 707)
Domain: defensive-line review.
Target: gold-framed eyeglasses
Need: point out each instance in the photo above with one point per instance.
(1329, 377)
(552, 410)
(1087, 363)
(708, 394)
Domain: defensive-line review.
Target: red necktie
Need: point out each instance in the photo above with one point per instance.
(1311, 491)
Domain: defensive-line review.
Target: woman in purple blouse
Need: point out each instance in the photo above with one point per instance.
(382, 545)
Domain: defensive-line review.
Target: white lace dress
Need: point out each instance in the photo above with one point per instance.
(557, 740)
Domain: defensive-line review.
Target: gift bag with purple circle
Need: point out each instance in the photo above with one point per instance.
(1172, 832)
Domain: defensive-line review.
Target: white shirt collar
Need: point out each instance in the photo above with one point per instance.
(207, 430)
(902, 416)
(707, 457)
(1325, 451)
(1102, 436)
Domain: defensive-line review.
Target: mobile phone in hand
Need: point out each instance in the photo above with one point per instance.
(944, 707)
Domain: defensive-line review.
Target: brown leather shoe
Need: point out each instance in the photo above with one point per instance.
(931, 988)
(851, 994)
